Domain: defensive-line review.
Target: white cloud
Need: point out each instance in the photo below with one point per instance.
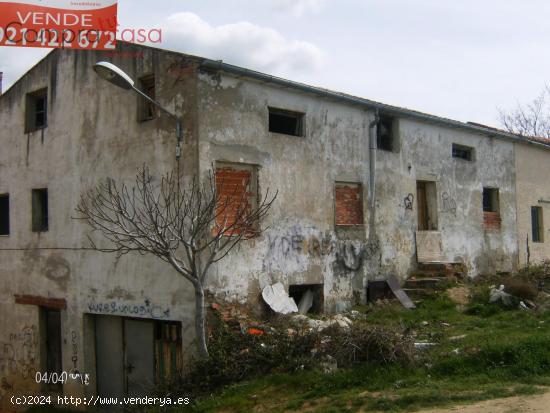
(15, 61)
(241, 43)
(299, 7)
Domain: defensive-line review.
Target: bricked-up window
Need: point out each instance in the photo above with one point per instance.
(491, 209)
(463, 152)
(348, 205)
(36, 110)
(537, 227)
(40, 210)
(385, 139)
(4, 214)
(50, 334)
(146, 110)
(286, 122)
(237, 186)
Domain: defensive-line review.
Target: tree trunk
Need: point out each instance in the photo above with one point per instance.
(200, 316)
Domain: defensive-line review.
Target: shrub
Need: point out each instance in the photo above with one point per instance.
(236, 356)
(521, 288)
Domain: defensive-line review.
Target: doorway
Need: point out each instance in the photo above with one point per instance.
(132, 355)
(426, 196)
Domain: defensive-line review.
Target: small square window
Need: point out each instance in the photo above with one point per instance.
(463, 152)
(286, 122)
(4, 214)
(36, 110)
(537, 227)
(40, 210)
(385, 139)
(146, 109)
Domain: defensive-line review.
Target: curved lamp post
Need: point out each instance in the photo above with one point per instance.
(118, 77)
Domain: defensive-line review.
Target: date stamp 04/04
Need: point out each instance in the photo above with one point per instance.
(62, 377)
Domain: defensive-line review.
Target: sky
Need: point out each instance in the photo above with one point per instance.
(458, 59)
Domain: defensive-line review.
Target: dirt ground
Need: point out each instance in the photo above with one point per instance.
(523, 404)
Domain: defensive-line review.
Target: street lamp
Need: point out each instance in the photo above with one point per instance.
(118, 77)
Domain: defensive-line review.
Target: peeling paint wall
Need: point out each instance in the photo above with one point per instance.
(92, 134)
(233, 119)
(533, 170)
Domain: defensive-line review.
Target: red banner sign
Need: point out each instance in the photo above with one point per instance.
(69, 24)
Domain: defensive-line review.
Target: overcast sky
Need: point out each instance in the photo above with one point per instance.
(459, 59)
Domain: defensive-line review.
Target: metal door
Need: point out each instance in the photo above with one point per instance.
(139, 355)
(109, 356)
(125, 356)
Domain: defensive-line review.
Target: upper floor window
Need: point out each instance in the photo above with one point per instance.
(36, 110)
(40, 210)
(4, 214)
(463, 152)
(237, 189)
(286, 122)
(385, 134)
(146, 109)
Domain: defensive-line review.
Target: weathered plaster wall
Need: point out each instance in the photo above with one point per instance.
(233, 119)
(92, 134)
(301, 245)
(426, 154)
(533, 169)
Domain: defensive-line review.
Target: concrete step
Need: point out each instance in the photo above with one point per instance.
(429, 283)
(426, 274)
(419, 294)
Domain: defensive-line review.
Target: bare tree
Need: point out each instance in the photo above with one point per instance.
(532, 119)
(190, 227)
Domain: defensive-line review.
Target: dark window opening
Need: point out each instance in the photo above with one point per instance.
(537, 228)
(36, 110)
(40, 210)
(51, 343)
(491, 209)
(384, 134)
(4, 214)
(463, 152)
(308, 297)
(490, 200)
(286, 122)
(147, 110)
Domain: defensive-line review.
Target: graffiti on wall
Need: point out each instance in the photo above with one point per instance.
(18, 355)
(296, 246)
(74, 348)
(116, 307)
(448, 204)
(409, 202)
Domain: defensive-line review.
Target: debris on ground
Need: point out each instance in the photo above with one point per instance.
(459, 295)
(313, 324)
(278, 300)
(499, 295)
(423, 345)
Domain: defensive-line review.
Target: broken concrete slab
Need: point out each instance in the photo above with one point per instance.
(278, 300)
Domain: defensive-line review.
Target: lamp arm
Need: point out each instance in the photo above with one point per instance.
(179, 127)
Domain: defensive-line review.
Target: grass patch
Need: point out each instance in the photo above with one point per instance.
(480, 354)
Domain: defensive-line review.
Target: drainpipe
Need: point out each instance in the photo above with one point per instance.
(373, 127)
